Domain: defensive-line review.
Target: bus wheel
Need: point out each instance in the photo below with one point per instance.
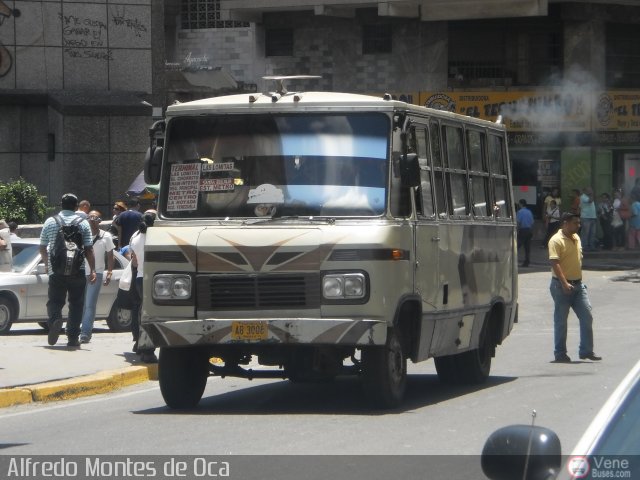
(385, 372)
(446, 368)
(474, 366)
(471, 367)
(182, 374)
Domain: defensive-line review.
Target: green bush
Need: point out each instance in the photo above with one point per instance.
(21, 202)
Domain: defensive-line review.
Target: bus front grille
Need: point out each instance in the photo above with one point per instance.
(265, 291)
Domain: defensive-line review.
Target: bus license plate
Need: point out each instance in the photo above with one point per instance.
(249, 330)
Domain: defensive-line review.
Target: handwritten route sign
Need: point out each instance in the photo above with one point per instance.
(184, 184)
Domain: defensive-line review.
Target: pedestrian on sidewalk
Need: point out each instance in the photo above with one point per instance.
(524, 219)
(617, 222)
(552, 220)
(128, 222)
(605, 215)
(102, 247)
(63, 284)
(568, 291)
(84, 207)
(137, 243)
(6, 253)
(634, 224)
(588, 218)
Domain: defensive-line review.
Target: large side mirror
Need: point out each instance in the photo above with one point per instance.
(152, 165)
(522, 451)
(40, 270)
(410, 170)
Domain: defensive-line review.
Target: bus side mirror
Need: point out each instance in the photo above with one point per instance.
(410, 170)
(152, 165)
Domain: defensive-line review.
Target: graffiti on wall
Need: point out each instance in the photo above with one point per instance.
(6, 61)
(84, 36)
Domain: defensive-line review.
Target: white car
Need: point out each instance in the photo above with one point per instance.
(609, 448)
(24, 291)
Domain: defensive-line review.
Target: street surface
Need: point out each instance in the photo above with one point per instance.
(271, 417)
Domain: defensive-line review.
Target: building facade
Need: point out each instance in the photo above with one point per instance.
(564, 76)
(77, 83)
(78, 79)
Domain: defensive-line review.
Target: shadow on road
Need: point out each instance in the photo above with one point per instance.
(344, 396)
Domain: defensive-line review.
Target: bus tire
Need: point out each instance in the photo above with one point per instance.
(182, 375)
(468, 368)
(385, 372)
(474, 366)
(446, 369)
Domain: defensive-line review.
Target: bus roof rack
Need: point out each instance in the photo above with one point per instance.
(280, 79)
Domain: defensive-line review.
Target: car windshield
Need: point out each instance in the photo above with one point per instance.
(24, 257)
(276, 165)
(622, 434)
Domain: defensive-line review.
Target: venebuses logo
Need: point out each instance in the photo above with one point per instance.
(578, 467)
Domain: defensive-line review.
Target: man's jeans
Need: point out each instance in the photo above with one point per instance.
(59, 287)
(578, 300)
(90, 302)
(588, 233)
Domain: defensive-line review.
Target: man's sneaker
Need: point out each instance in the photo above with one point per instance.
(73, 342)
(54, 331)
(84, 339)
(148, 357)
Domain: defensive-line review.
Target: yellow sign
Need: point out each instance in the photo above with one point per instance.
(545, 111)
(541, 111)
(617, 111)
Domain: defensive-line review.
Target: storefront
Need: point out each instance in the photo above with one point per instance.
(567, 138)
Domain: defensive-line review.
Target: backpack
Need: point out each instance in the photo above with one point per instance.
(67, 254)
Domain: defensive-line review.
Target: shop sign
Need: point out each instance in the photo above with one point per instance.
(540, 111)
(616, 111)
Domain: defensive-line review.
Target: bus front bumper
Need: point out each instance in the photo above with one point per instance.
(281, 331)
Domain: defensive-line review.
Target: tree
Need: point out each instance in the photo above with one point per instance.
(21, 202)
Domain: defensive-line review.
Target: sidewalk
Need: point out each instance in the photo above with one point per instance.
(598, 260)
(31, 370)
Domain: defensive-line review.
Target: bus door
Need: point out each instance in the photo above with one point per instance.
(427, 233)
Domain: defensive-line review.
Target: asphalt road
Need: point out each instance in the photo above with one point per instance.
(270, 417)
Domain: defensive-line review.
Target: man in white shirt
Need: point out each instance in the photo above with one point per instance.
(102, 246)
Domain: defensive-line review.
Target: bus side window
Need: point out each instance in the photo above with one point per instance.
(399, 197)
(424, 201)
(501, 188)
(456, 172)
(438, 172)
(478, 174)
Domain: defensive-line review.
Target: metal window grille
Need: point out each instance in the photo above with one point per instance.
(197, 14)
(623, 56)
(278, 42)
(376, 38)
(500, 53)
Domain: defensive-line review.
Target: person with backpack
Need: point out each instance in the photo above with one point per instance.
(65, 242)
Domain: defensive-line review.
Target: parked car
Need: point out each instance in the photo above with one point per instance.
(24, 291)
(609, 448)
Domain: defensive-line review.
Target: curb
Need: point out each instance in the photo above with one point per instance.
(86, 385)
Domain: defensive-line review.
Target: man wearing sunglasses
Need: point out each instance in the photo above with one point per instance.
(102, 244)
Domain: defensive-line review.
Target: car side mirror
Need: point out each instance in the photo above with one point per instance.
(40, 270)
(522, 451)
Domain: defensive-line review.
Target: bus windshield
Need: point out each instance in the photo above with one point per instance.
(259, 165)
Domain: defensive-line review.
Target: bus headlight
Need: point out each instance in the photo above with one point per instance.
(336, 286)
(171, 287)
